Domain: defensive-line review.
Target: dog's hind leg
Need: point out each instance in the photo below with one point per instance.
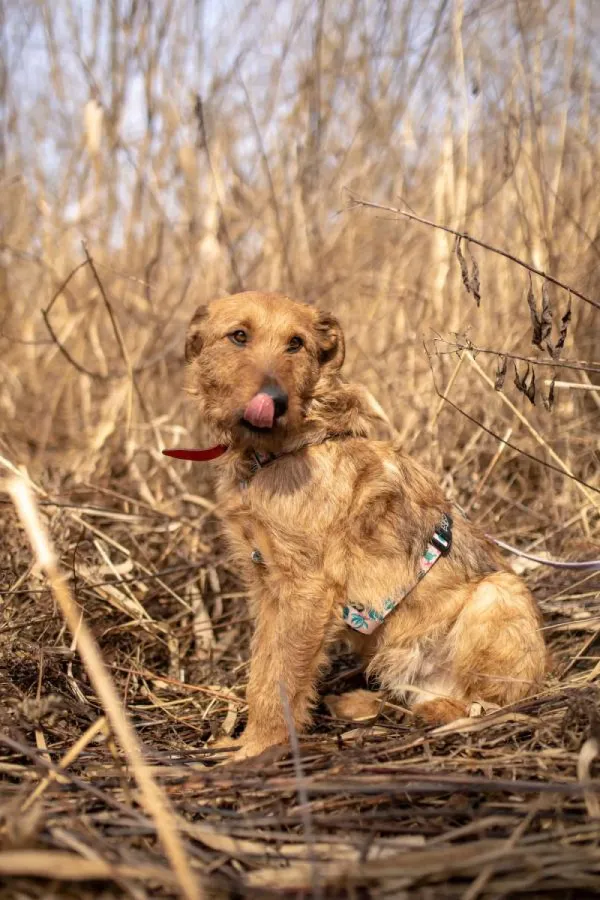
(494, 652)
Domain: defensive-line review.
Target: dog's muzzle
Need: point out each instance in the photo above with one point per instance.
(266, 407)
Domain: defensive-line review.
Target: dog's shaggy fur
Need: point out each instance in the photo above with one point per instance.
(339, 516)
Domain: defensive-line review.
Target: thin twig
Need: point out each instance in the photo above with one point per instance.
(116, 330)
(96, 728)
(458, 346)
(574, 385)
(494, 434)
(358, 201)
(494, 461)
(64, 284)
(535, 434)
(302, 791)
(98, 376)
(447, 390)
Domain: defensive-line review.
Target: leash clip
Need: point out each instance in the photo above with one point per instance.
(442, 536)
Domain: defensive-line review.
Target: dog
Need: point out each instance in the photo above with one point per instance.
(338, 535)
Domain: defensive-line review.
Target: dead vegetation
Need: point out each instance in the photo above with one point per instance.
(192, 154)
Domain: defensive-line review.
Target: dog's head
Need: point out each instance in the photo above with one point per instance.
(254, 361)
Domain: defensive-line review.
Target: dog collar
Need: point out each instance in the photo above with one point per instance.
(263, 459)
(366, 619)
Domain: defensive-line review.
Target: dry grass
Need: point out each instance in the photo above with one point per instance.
(191, 156)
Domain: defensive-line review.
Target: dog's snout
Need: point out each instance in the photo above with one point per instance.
(279, 397)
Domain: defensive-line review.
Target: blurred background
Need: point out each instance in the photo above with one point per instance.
(197, 148)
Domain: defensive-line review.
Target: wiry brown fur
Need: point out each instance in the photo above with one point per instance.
(342, 516)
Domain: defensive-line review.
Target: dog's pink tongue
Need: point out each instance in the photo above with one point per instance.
(260, 412)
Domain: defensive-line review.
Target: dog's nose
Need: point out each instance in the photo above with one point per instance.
(279, 397)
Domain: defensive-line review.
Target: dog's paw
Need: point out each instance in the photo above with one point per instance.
(440, 712)
(251, 750)
(354, 706)
(224, 742)
(246, 748)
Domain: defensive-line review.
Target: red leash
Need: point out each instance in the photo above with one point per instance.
(198, 455)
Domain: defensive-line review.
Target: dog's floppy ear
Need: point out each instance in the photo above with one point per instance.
(194, 335)
(330, 340)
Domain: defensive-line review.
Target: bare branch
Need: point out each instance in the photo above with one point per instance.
(358, 201)
(494, 434)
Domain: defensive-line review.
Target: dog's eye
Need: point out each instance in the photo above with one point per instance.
(295, 344)
(238, 337)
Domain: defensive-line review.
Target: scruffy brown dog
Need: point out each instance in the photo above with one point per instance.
(331, 528)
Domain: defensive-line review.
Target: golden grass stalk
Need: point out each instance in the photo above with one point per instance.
(152, 796)
(69, 867)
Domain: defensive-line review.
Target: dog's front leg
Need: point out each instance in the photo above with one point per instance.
(288, 648)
